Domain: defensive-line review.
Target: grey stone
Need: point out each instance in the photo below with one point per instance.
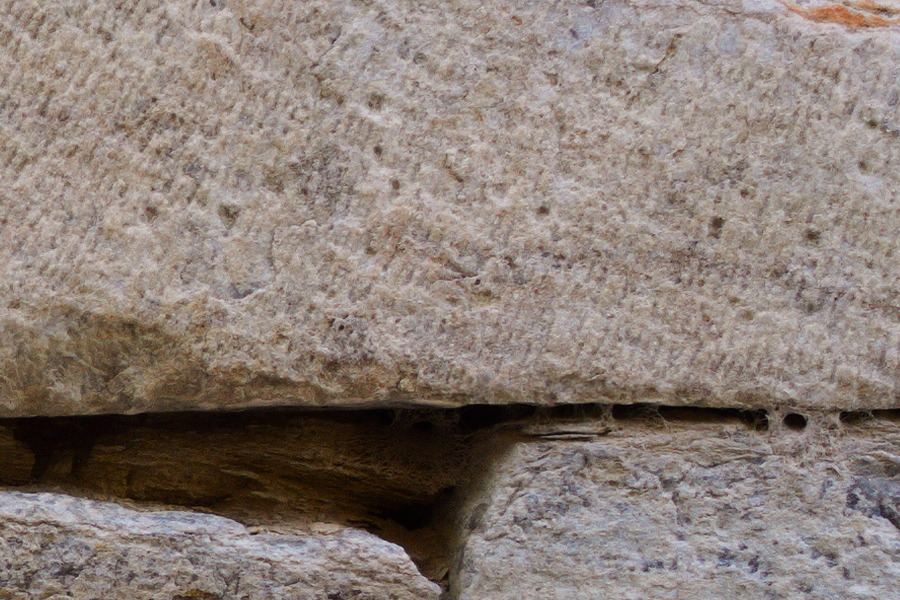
(682, 510)
(55, 546)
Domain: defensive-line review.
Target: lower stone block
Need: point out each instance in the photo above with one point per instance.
(54, 546)
(676, 510)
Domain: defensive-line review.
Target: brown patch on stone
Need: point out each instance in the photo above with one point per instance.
(853, 14)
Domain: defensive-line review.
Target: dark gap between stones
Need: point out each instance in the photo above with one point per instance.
(855, 417)
(404, 474)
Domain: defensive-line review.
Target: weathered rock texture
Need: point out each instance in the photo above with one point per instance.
(55, 546)
(404, 204)
(231, 203)
(680, 509)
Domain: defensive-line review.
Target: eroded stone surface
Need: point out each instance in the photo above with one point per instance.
(220, 204)
(687, 510)
(55, 546)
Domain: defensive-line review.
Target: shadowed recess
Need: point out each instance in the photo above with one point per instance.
(404, 474)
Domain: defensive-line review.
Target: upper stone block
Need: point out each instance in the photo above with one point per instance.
(227, 203)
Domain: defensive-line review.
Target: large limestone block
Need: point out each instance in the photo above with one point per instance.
(55, 546)
(689, 511)
(243, 202)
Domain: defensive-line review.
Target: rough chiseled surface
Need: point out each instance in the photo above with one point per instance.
(55, 546)
(691, 511)
(222, 204)
(233, 203)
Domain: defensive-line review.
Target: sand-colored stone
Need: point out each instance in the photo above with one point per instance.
(224, 204)
(233, 203)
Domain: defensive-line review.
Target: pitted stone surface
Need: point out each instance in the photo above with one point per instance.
(225, 204)
(692, 511)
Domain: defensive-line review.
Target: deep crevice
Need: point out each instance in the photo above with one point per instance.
(757, 420)
(404, 474)
(857, 417)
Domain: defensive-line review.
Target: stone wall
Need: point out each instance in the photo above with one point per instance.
(400, 299)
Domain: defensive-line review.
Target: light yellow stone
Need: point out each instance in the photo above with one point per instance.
(234, 203)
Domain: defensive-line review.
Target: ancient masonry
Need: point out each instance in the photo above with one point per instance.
(459, 300)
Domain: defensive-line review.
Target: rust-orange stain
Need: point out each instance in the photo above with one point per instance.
(872, 6)
(842, 15)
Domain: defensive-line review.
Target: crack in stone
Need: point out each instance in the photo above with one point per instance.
(406, 475)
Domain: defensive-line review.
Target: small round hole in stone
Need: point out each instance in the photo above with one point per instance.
(794, 421)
